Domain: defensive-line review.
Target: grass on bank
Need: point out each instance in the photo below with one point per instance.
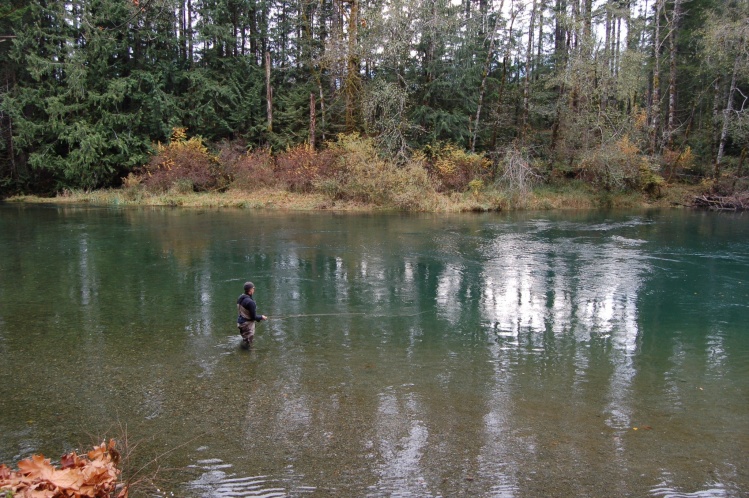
(571, 196)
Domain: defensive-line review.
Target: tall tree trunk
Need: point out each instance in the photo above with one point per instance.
(668, 134)
(182, 31)
(482, 89)
(503, 78)
(252, 14)
(587, 19)
(268, 92)
(726, 119)
(655, 103)
(527, 83)
(189, 33)
(432, 44)
(539, 43)
(561, 53)
(560, 33)
(312, 120)
(322, 109)
(607, 56)
(715, 132)
(618, 48)
(352, 84)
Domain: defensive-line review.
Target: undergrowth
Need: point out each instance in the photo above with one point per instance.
(350, 173)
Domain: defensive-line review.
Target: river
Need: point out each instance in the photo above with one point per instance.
(484, 355)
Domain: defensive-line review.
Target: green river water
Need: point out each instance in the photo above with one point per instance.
(524, 355)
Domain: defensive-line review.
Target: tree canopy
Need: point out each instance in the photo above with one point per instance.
(89, 86)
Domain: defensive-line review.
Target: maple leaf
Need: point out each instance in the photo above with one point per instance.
(71, 479)
(71, 460)
(36, 467)
(98, 452)
(39, 493)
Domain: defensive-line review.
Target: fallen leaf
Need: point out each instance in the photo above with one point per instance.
(36, 467)
(70, 479)
(78, 477)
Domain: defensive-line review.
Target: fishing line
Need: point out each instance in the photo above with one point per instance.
(270, 317)
(284, 317)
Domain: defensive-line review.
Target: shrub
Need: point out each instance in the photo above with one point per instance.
(299, 167)
(614, 166)
(362, 176)
(330, 187)
(516, 174)
(410, 187)
(649, 180)
(678, 163)
(476, 185)
(183, 160)
(252, 170)
(132, 187)
(454, 168)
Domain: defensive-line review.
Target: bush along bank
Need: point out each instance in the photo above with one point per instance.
(350, 174)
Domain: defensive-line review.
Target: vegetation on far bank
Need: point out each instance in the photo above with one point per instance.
(350, 175)
(464, 104)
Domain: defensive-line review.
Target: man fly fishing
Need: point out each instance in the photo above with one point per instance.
(247, 315)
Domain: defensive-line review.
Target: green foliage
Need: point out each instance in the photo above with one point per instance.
(291, 117)
(72, 110)
(385, 115)
(649, 180)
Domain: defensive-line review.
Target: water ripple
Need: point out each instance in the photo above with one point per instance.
(217, 481)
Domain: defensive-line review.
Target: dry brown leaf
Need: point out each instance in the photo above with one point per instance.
(78, 477)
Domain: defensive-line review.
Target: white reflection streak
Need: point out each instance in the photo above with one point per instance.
(408, 272)
(514, 303)
(401, 470)
(407, 284)
(206, 295)
(448, 285)
(562, 304)
(288, 265)
(201, 323)
(716, 353)
(87, 282)
(200, 320)
(341, 279)
(373, 269)
(601, 290)
(609, 288)
(495, 456)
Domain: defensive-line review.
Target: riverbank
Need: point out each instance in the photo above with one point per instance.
(566, 196)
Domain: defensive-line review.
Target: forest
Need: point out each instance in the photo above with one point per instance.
(620, 94)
